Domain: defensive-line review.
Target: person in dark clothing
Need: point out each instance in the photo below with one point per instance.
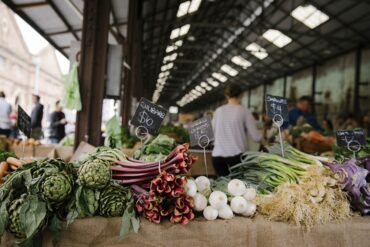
(302, 110)
(57, 124)
(36, 118)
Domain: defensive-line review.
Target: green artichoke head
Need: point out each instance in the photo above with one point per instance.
(114, 200)
(94, 174)
(57, 188)
(14, 224)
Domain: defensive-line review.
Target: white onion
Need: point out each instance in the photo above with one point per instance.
(210, 213)
(225, 213)
(236, 187)
(203, 184)
(200, 202)
(190, 188)
(251, 210)
(238, 205)
(218, 199)
(250, 194)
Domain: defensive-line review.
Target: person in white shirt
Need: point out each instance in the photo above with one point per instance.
(5, 110)
(231, 124)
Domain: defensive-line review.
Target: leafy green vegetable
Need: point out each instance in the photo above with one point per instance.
(113, 130)
(33, 215)
(161, 145)
(4, 155)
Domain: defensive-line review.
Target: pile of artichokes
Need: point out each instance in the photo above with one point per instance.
(49, 191)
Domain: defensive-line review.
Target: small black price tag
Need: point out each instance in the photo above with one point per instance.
(149, 116)
(350, 138)
(24, 122)
(277, 106)
(201, 132)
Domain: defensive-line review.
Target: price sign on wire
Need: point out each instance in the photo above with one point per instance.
(353, 140)
(277, 109)
(148, 116)
(24, 122)
(201, 134)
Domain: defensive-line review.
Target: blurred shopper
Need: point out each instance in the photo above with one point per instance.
(14, 128)
(36, 118)
(231, 123)
(366, 123)
(302, 113)
(327, 126)
(350, 123)
(57, 124)
(5, 110)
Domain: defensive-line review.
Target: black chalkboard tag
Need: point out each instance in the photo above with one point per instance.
(348, 138)
(24, 122)
(276, 105)
(148, 115)
(201, 132)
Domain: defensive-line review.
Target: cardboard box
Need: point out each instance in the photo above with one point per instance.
(43, 150)
(23, 150)
(199, 168)
(64, 153)
(83, 150)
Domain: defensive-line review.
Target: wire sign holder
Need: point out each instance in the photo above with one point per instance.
(201, 134)
(277, 109)
(353, 140)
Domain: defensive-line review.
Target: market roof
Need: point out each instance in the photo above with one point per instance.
(60, 22)
(191, 52)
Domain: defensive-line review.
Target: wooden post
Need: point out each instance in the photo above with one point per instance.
(356, 103)
(133, 47)
(94, 46)
(314, 75)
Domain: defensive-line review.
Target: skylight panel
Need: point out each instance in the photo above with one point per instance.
(204, 84)
(309, 15)
(277, 38)
(229, 70)
(180, 31)
(183, 9)
(257, 51)
(219, 77)
(238, 60)
(212, 82)
(194, 6)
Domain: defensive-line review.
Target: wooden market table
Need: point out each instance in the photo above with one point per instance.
(240, 231)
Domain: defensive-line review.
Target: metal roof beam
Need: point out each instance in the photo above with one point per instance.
(62, 17)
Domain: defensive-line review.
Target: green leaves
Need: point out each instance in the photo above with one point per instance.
(55, 227)
(4, 215)
(33, 214)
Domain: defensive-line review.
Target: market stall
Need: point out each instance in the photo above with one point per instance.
(100, 232)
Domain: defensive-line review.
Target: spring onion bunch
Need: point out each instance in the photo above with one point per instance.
(292, 153)
(266, 171)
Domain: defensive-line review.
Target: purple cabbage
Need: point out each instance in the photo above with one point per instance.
(353, 181)
(365, 163)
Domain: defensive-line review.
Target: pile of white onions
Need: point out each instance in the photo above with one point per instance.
(218, 204)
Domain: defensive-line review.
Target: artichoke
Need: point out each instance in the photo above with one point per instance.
(94, 174)
(114, 200)
(56, 188)
(14, 224)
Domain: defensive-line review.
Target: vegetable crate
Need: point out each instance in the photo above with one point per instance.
(311, 147)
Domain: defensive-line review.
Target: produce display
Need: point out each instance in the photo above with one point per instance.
(292, 187)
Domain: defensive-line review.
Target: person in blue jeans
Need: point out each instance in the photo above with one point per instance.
(302, 110)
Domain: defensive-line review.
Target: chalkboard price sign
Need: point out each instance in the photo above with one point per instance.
(201, 132)
(277, 106)
(149, 116)
(350, 138)
(24, 122)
